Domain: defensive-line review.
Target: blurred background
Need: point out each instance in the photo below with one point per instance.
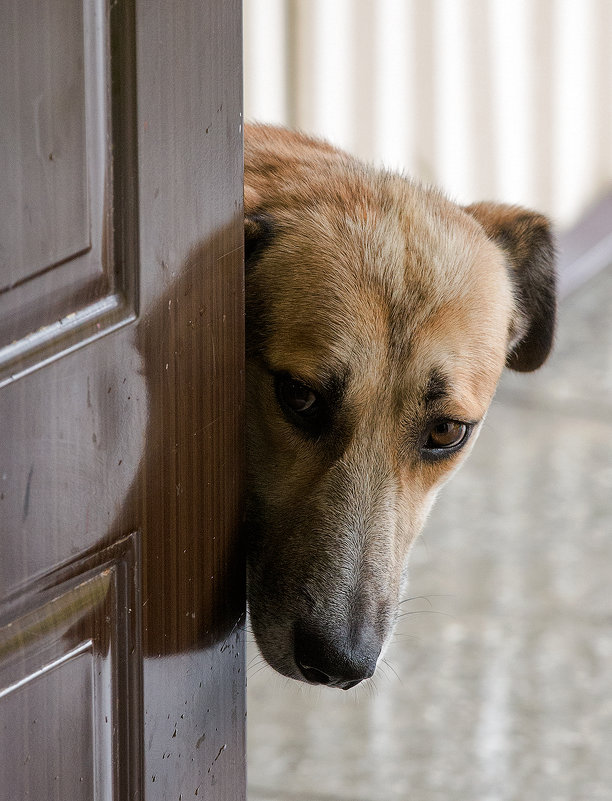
(497, 685)
(486, 98)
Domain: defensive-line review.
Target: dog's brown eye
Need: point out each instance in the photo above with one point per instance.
(299, 401)
(298, 397)
(308, 409)
(447, 434)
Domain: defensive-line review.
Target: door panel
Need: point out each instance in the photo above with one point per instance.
(70, 678)
(121, 424)
(46, 91)
(68, 269)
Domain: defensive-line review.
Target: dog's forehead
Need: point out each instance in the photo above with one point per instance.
(407, 277)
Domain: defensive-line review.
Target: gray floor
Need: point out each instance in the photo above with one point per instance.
(506, 695)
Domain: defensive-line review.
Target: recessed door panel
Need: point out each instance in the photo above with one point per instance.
(70, 679)
(62, 696)
(65, 275)
(45, 150)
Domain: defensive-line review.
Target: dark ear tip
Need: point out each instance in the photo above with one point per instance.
(528, 240)
(536, 286)
(258, 232)
(532, 352)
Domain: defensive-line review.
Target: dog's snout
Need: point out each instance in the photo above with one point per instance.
(336, 658)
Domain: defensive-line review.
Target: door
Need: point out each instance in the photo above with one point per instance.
(121, 400)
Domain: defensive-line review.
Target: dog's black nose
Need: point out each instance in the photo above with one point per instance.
(335, 659)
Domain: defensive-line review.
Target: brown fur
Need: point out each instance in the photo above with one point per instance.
(377, 293)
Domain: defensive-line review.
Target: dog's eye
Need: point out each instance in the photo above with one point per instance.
(297, 399)
(446, 435)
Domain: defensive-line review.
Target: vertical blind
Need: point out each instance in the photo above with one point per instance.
(488, 99)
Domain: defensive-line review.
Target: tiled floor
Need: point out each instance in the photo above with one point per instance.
(506, 695)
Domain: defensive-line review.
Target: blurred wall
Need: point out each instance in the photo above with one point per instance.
(489, 99)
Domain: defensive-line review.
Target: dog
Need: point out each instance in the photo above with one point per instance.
(380, 316)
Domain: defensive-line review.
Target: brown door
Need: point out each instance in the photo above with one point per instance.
(121, 400)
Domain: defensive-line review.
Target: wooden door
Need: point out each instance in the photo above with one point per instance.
(121, 400)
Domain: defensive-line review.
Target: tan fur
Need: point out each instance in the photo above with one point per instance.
(369, 275)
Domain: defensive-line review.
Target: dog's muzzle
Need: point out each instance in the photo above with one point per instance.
(336, 658)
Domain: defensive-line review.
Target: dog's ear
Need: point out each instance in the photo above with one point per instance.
(526, 239)
(258, 232)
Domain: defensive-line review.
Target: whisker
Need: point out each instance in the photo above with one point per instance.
(380, 670)
(427, 597)
(416, 598)
(392, 669)
(406, 634)
(261, 666)
(257, 657)
(425, 612)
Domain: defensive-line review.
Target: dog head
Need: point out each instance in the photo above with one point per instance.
(379, 319)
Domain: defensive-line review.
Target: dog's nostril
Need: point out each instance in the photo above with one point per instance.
(313, 675)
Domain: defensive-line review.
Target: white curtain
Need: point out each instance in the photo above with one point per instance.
(489, 99)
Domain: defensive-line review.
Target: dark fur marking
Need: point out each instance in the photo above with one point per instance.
(258, 234)
(437, 388)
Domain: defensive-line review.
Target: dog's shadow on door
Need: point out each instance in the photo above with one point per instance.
(188, 487)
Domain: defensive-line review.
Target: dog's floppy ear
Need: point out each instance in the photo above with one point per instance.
(526, 238)
(258, 232)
